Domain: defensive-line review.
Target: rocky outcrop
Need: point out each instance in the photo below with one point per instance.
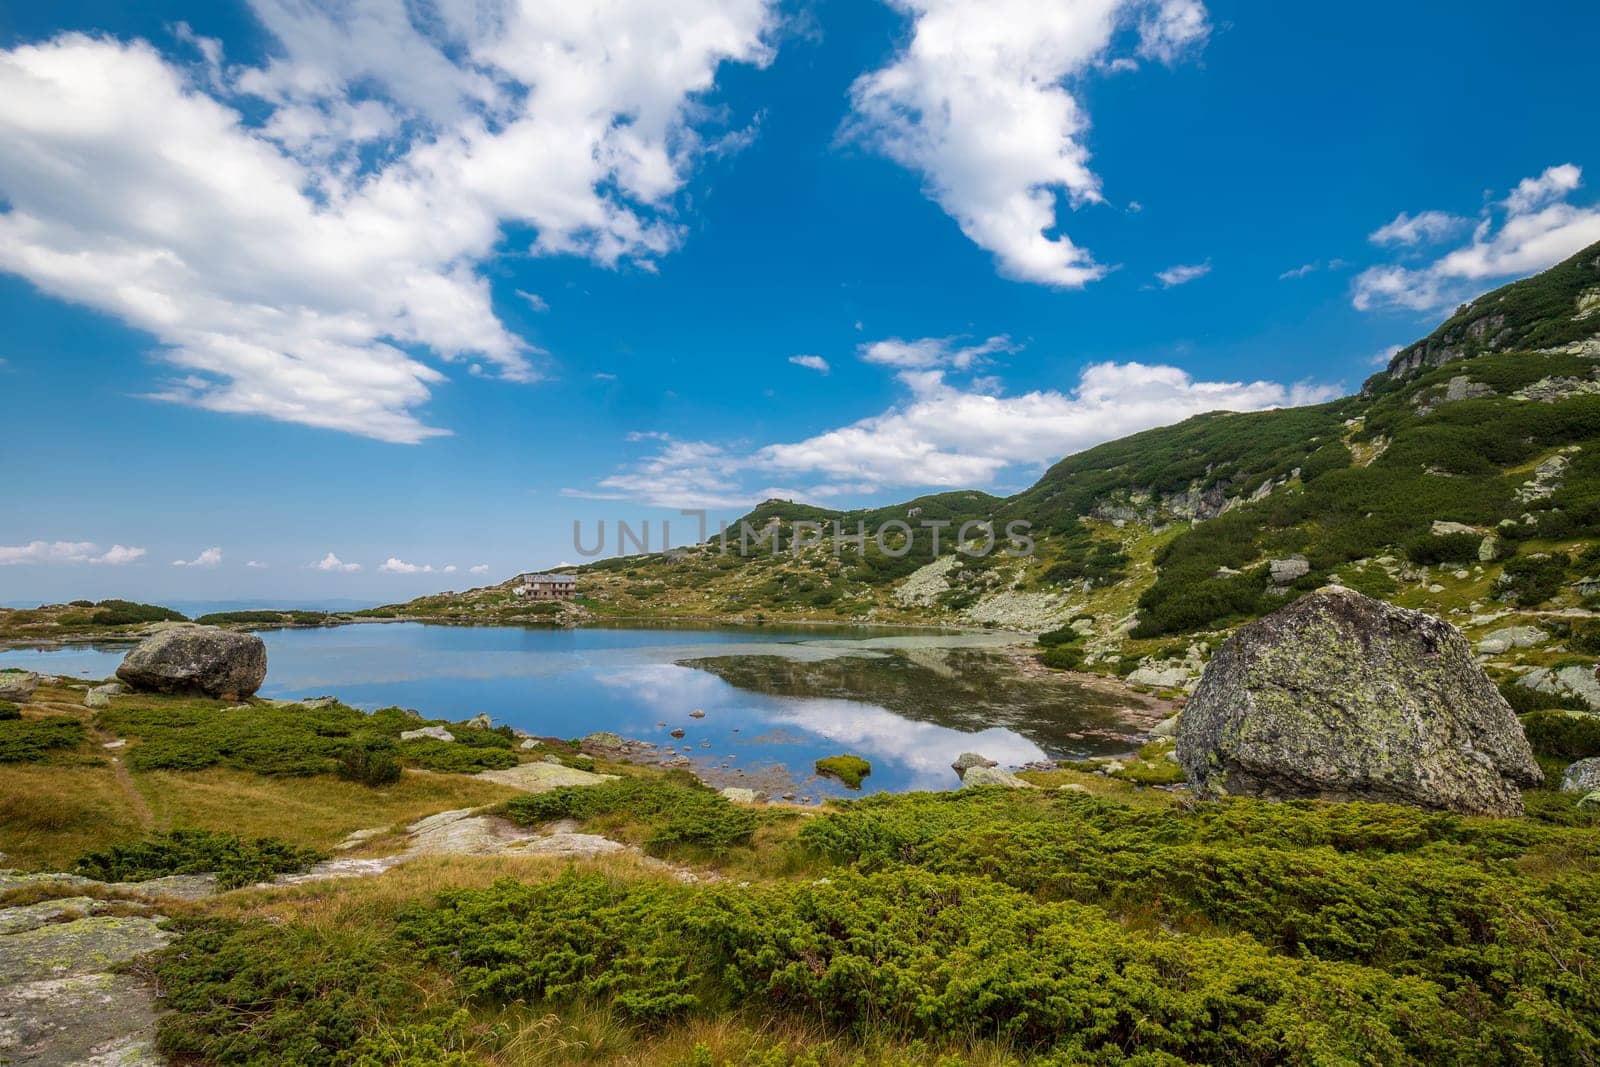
(1344, 697)
(1582, 777)
(1504, 640)
(1574, 681)
(1288, 571)
(203, 659)
(18, 686)
(968, 760)
(977, 776)
(431, 733)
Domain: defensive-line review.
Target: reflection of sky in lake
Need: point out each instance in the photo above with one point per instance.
(566, 683)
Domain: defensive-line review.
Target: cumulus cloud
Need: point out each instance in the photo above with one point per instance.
(57, 552)
(304, 238)
(942, 435)
(1406, 230)
(256, 565)
(1534, 227)
(1183, 274)
(816, 363)
(400, 566)
(978, 104)
(331, 562)
(207, 559)
(482, 568)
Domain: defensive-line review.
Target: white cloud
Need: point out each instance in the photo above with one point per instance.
(942, 435)
(816, 363)
(1300, 272)
(448, 568)
(1381, 359)
(331, 562)
(534, 300)
(207, 559)
(482, 568)
(604, 376)
(929, 352)
(400, 566)
(256, 565)
(1425, 226)
(1183, 274)
(1535, 228)
(977, 103)
(58, 552)
(300, 237)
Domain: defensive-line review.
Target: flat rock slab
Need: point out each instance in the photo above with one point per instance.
(93, 1020)
(33, 916)
(542, 777)
(90, 945)
(575, 845)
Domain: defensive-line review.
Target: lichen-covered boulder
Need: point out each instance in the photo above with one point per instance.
(968, 760)
(1582, 776)
(980, 775)
(18, 686)
(1344, 697)
(203, 659)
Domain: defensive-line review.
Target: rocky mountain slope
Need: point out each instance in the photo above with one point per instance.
(1464, 479)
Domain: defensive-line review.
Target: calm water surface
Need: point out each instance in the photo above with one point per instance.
(774, 697)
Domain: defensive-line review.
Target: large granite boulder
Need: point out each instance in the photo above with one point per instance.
(203, 659)
(1343, 697)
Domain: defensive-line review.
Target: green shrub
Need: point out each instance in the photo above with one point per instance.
(1062, 657)
(677, 813)
(1562, 734)
(370, 763)
(1523, 699)
(34, 740)
(289, 740)
(235, 860)
(8, 710)
(1444, 548)
(128, 613)
(258, 993)
(1064, 636)
(1530, 580)
(455, 757)
(846, 768)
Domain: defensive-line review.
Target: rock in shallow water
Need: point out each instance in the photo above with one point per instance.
(205, 659)
(1344, 697)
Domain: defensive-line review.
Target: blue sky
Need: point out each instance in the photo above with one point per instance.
(358, 292)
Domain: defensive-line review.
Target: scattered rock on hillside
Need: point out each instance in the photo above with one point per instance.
(1288, 571)
(739, 796)
(436, 733)
(977, 776)
(206, 659)
(18, 686)
(968, 760)
(1512, 637)
(1443, 528)
(604, 739)
(1582, 777)
(1573, 681)
(1344, 697)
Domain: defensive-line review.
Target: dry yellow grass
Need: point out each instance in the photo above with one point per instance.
(51, 814)
(318, 811)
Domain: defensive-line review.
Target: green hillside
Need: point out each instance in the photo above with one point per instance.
(1489, 426)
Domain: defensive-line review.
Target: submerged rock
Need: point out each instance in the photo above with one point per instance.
(1343, 697)
(205, 659)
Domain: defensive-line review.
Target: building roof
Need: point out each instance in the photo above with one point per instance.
(552, 579)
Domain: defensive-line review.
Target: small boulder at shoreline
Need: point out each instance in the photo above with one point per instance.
(18, 686)
(1342, 697)
(968, 760)
(204, 659)
(980, 775)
